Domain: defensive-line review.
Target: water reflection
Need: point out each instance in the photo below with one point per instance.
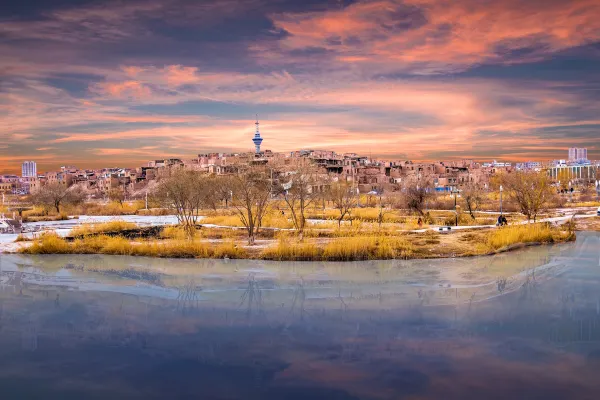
(80, 327)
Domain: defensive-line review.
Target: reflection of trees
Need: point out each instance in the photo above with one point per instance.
(298, 301)
(29, 337)
(252, 297)
(188, 296)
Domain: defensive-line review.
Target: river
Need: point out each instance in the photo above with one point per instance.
(520, 325)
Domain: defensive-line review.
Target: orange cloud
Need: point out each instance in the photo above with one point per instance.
(128, 88)
(446, 34)
(177, 75)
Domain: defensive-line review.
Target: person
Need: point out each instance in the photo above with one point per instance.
(499, 223)
(420, 222)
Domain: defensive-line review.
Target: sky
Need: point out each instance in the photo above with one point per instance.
(117, 83)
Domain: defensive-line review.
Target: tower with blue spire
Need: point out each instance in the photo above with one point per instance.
(257, 140)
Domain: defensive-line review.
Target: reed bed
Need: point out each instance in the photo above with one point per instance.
(111, 208)
(102, 227)
(53, 244)
(273, 219)
(341, 249)
(528, 233)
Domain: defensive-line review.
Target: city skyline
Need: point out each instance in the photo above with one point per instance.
(106, 83)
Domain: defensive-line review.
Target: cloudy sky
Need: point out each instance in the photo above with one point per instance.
(116, 83)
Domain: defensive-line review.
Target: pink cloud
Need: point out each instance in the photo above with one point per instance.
(449, 34)
(128, 88)
(177, 75)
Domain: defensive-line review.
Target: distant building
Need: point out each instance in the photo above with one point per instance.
(529, 166)
(29, 169)
(577, 154)
(496, 164)
(257, 140)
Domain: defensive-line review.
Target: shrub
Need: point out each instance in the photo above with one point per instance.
(22, 238)
(174, 232)
(48, 243)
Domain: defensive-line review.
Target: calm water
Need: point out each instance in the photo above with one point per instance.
(94, 327)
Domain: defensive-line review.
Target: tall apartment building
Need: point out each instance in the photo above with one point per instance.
(576, 154)
(29, 169)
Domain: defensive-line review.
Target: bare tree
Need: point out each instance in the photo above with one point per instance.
(531, 191)
(472, 195)
(343, 196)
(387, 204)
(117, 195)
(250, 193)
(55, 194)
(220, 191)
(299, 190)
(416, 193)
(185, 192)
(212, 196)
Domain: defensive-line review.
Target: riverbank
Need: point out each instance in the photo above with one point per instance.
(337, 245)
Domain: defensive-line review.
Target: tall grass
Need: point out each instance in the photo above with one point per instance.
(103, 227)
(51, 243)
(367, 248)
(273, 219)
(40, 214)
(48, 243)
(177, 232)
(286, 250)
(111, 208)
(528, 233)
(341, 249)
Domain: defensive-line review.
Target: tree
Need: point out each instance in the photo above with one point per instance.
(531, 191)
(299, 193)
(185, 192)
(472, 195)
(220, 191)
(117, 195)
(53, 195)
(385, 203)
(416, 193)
(250, 193)
(343, 196)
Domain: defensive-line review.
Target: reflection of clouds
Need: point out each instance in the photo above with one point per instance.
(377, 354)
(539, 341)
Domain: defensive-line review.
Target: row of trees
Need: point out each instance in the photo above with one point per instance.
(55, 195)
(530, 192)
(249, 194)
